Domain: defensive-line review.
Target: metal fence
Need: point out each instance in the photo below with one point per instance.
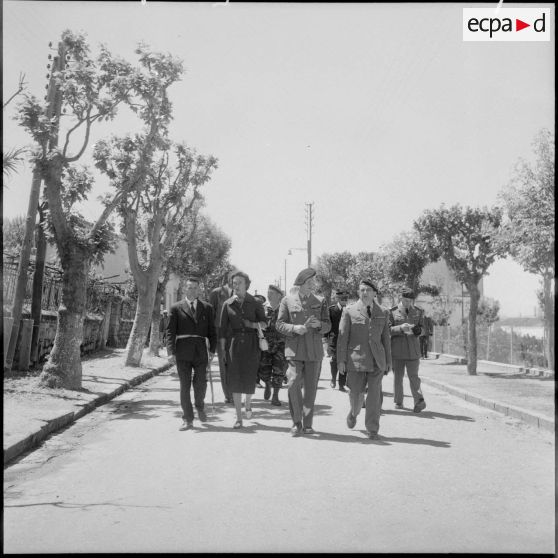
(493, 344)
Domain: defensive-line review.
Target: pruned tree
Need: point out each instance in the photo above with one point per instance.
(90, 90)
(332, 272)
(467, 239)
(162, 202)
(528, 231)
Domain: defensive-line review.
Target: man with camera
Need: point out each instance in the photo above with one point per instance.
(407, 323)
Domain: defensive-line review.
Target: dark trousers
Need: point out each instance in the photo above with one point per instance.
(335, 370)
(185, 368)
(424, 345)
(222, 360)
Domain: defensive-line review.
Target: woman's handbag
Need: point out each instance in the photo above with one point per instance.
(262, 340)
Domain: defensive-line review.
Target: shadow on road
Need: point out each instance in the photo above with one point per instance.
(145, 409)
(427, 414)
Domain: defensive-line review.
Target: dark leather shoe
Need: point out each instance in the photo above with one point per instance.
(351, 420)
(267, 391)
(308, 430)
(342, 388)
(296, 429)
(420, 406)
(186, 425)
(398, 406)
(276, 402)
(372, 436)
(202, 416)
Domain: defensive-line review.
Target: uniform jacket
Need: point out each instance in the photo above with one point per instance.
(403, 346)
(335, 317)
(183, 322)
(293, 311)
(216, 298)
(363, 340)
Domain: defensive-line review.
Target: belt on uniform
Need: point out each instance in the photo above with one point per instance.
(187, 336)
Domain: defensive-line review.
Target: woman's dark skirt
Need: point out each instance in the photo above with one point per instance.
(243, 361)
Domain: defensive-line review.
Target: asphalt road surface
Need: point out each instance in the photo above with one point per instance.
(454, 478)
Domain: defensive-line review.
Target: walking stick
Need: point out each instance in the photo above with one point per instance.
(208, 369)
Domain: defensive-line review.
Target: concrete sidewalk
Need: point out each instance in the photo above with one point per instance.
(503, 389)
(32, 412)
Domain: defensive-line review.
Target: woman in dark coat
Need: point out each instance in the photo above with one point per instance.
(240, 316)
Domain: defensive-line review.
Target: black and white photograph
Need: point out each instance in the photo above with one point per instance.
(278, 277)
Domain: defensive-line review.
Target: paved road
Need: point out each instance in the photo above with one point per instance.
(455, 478)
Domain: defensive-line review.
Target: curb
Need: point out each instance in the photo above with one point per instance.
(528, 417)
(62, 421)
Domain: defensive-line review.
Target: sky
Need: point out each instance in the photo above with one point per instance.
(371, 112)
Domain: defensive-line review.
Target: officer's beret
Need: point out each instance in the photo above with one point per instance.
(406, 292)
(276, 289)
(260, 297)
(243, 275)
(304, 275)
(370, 284)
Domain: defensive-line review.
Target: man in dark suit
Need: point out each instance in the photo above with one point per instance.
(335, 312)
(191, 325)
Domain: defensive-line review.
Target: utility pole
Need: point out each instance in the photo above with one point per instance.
(309, 222)
(54, 106)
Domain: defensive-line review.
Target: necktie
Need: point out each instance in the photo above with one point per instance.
(368, 311)
(407, 311)
(193, 308)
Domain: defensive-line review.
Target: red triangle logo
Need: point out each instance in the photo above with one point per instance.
(519, 25)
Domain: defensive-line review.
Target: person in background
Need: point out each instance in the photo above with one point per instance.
(191, 323)
(303, 319)
(163, 323)
(406, 323)
(335, 312)
(364, 355)
(273, 364)
(241, 314)
(216, 298)
(425, 335)
(262, 299)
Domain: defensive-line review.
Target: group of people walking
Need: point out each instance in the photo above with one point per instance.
(283, 344)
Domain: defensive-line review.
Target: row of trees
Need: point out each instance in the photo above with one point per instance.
(469, 240)
(155, 188)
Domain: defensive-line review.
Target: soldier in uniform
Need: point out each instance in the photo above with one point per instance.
(406, 326)
(303, 319)
(425, 336)
(364, 355)
(335, 312)
(273, 363)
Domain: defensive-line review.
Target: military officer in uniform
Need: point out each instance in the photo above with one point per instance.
(335, 312)
(364, 355)
(273, 364)
(303, 319)
(406, 322)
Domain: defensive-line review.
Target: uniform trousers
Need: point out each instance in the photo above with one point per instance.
(424, 342)
(357, 383)
(198, 364)
(412, 366)
(307, 374)
(334, 369)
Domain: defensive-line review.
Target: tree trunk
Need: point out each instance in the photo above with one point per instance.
(155, 338)
(548, 309)
(63, 368)
(472, 337)
(147, 286)
(23, 267)
(38, 279)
